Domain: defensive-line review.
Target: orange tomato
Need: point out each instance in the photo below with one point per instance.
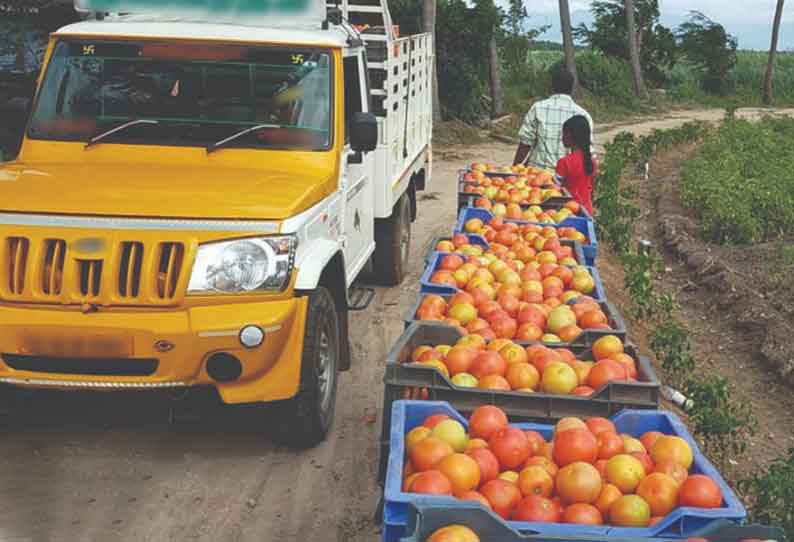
(609, 494)
(462, 471)
(672, 469)
(547, 464)
(427, 453)
(630, 511)
(578, 482)
(454, 533)
(598, 425)
(700, 491)
(672, 448)
(582, 514)
(574, 445)
(660, 492)
(535, 480)
(625, 472)
(485, 421)
(431, 482)
(609, 445)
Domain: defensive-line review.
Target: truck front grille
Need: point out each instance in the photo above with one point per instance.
(124, 272)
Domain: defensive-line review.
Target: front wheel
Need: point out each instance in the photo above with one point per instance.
(308, 416)
(393, 244)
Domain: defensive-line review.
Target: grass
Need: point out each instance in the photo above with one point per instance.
(740, 182)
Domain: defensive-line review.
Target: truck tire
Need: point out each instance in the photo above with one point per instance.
(307, 417)
(393, 244)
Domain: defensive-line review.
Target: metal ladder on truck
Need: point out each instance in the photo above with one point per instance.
(400, 78)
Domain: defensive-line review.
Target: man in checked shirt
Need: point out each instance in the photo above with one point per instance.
(540, 137)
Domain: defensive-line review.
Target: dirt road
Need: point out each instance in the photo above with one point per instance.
(107, 468)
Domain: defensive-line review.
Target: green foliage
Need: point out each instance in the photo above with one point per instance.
(639, 270)
(772, 494)
(723, 423)
(609, 31)
(514, 39)
(462, 37)
(670, 343)
(740, 183)
(710, 48)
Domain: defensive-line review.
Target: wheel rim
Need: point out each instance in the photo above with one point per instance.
(405, 235)
(326, 367)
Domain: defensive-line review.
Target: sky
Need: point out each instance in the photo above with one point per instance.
(749, 20)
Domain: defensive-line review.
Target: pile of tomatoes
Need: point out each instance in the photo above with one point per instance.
(515, 236)
(506, 208)
(587, 474)
(506, 366)
(538, 279)
(507, 317)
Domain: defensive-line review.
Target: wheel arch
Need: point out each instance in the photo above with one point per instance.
(327, 269)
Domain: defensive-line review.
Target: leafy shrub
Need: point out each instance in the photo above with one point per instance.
(772, 495)
(740, 183)
(708, 46)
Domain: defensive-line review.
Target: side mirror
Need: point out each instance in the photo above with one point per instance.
(363, 132)
(16, 111)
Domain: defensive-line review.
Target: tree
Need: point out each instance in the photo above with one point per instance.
(634, 55)
(656, 43)
(429, 21)
(514, 39)
(490, 21)
(567, 43)
(707, 45)
(770, 67)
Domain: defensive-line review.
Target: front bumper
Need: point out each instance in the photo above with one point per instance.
(180, 341)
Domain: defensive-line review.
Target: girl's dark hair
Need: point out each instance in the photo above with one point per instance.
(579, 129)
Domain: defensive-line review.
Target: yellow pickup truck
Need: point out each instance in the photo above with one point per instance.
(197, 192)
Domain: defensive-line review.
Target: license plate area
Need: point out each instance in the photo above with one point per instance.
(76, 344)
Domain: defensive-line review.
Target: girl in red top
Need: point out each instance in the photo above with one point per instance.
(578, 169)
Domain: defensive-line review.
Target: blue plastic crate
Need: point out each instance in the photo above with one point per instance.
(680, 523)
(583, 225)
(428, 287)
(423, 521)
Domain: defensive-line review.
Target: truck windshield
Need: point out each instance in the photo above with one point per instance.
(197, 94)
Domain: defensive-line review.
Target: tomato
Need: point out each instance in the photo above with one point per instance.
(582, 514)
(427, 453)
(574, 445)
(459, 359)
(510, 446)
(454, 533)
(609, 445)
(648, 439)
(660, 491)
(609, 494)
(476, 497)
(431, 421)
(630, 511)
(645, 459)
(502, 495)
(673, 448)
(541, 461)
(487, 363)
(462, 471)
(605, 346)
(597, 425)
(535, 480)
(625, 472)
(487, 462)
(536, 442)
(578, 482)
(535, 508)
(700, 491)
(605, 371)
(673, 469)
(432, 482)
(415, 436)
(485, 421)
(569, 423)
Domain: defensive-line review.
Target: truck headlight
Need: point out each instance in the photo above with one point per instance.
(243, 265)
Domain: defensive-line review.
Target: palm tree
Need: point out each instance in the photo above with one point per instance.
(634, 52)
(567, 42)
(770, 67)
(429, 20)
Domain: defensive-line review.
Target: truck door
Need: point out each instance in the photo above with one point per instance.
(359, 199)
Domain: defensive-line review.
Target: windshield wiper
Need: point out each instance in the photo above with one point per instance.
(135, 122)
(219, 144)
